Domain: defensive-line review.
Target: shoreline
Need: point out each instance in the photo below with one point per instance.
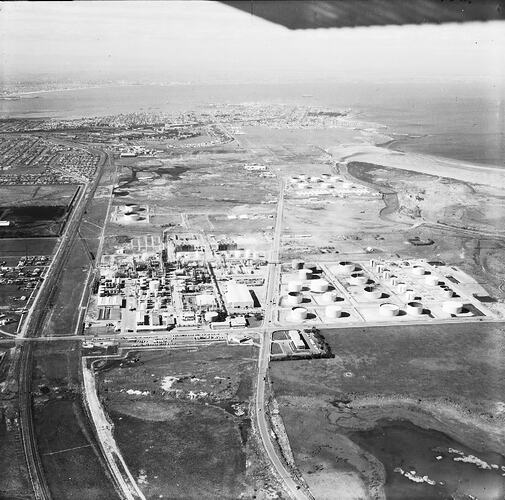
(416, 162)
(451, 418)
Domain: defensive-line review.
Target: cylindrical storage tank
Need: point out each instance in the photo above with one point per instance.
(294, 286)
(357, 279)
(448, 293)
(211, 316)
(304, 274)
(410, 295)
(328, 297)
(394, 280)
(414, 308)
(432, 280)
(380, 268)
(372, 263)
(346, 267)
(298, 314)
(372, 292)
(389, 310)
(297, 264)
(452, 307)
(293, 298)
(318, 286)
(154, 285)
(418, 270)
(332, 312)
(131, 216)
(402, 287)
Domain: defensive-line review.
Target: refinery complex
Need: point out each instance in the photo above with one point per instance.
(192, 282)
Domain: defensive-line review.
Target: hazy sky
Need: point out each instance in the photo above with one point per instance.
(207, 41)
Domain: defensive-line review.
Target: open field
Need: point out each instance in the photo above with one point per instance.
(14, 247)
(35, 211)
(190, 409)
(50, 195)
(65, 438)
(430, 198)
(14, 480)
(446, 378)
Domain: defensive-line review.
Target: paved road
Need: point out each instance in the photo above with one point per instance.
(291, 486)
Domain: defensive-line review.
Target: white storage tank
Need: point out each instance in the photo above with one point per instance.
(389, 310)
(372, 293)
(131, 216)
(386, 274)
(414, 308)
(394, 280)
(293, 299)
(357, 279)
(432, 280)
(418, 270)
(410, 295)
(448, 293)
(328, 297)
(346, 267)
(298, 314)
(294, 286)
(453, 307)
(332, 312)
(211, 316)
(154, 285)
(297, 264)
(402, 287)
(304, 274)
(318, 285)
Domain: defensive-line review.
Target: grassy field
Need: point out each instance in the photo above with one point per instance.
(64, 436)
(182, 421)
(26, 246)
(37, 195)
(449, 378)
(463, 362)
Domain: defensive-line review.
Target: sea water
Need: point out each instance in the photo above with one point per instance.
(453, 120)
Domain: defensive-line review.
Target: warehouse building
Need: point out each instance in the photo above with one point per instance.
(238, 296)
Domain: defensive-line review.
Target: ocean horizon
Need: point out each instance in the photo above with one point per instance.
(458, 121)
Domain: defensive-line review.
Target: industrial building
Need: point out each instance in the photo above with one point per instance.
(186, 282)
(297, 339)
(238, 296)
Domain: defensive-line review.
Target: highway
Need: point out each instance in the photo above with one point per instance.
(290, 485)
(33, 327)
